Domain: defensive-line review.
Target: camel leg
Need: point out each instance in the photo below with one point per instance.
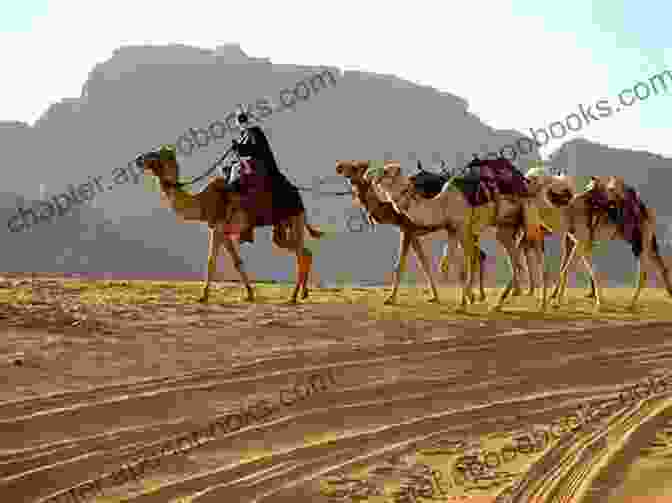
(426, 267)
(660, 266)
(448, 254)
(474, 265)
(467, 269)
(565, 262)
(585, 248)
(305, 262)
(565, 251)
(474, 268)
(641, 282)
(506, 236)
(591, 293)
(541, 266)
(532, 265)
(215, 242)
(233, 249)
(404, 244)
(308, 260)
(303, 257)
(481, 275)
(563, 257)
(646, 258)
(567, 255)
(524, 267)
(519, 240)
(568, 244)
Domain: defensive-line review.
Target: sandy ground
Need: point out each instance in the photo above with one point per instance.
(321, 403)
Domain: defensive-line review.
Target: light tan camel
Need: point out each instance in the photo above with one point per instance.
(451, 207)
(227, 219)
(587, 226)
(380, 212)
(551, 192)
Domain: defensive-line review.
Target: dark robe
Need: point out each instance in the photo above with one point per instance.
(266, 192)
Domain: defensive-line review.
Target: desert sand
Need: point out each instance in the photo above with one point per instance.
(131, 391)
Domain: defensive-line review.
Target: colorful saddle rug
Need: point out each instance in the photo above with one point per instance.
(483, 178)
(629, 215)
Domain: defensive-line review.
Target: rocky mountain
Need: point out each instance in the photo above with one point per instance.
(145, 96)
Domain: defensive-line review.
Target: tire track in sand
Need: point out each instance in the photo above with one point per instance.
(383, 384)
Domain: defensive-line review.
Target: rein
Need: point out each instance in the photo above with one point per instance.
(179, 185)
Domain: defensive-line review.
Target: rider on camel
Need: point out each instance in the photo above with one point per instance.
(265, 191)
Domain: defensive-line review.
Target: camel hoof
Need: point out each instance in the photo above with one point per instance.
(633, 308)
(305, 294)
(541, 308)
(516, 292)
(461, 309)
(203, 299)
(390, 301)
(495, 309)
(597, 309)
(482, 298)
(529, 293)
(590, 295)
(291, 301)
(433, 300)
(555, 305)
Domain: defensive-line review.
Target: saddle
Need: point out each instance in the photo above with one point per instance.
(485, 180)
(428, 184)
(628, 213)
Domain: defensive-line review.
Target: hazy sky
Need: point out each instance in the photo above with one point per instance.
(519, 63)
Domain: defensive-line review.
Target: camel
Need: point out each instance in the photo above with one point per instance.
(450, 206)
(227, 222)
(587, 226)
(380, 212)
(552, 192)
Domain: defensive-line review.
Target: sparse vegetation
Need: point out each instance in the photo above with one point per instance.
(412, 300)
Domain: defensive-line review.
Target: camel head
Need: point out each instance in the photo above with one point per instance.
(352, 170)
(597, 184)
(615, 187)
(160, 163)
(388, 182)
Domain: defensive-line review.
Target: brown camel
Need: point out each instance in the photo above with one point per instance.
(227, 222)
(380, 212)
(451, 207)
(587, 218)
